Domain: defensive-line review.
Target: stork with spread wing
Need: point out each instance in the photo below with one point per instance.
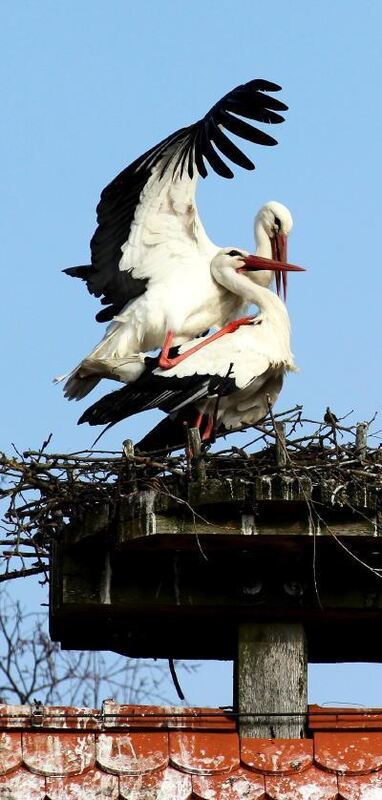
(151, 256)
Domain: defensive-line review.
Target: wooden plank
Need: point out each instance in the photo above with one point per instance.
(275, 502)
(208, 636)
(185, 528)
(271, 677)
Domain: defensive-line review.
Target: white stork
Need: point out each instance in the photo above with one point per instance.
(151, 256)
(224, 385)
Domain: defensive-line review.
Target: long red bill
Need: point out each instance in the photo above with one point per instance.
(257, 263)
(278, 284)
(277, 265)
(279, 245)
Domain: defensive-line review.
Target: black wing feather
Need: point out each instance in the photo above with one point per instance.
(244, 130)
(145, 394)
(217, 163)
(228, 147)
(259, 114)
(185, 149)
(198, 154)
(169, 434)
(259, 85)
(155, 391)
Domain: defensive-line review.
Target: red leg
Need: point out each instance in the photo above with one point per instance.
(231, 327)
(285, 284)
(164, 361)
(208, 429)
(198, 420)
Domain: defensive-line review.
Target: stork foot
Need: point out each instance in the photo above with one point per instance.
(233, 326)
(167, 363)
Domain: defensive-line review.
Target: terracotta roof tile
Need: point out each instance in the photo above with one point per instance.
(169, 717)
(22, 785)
(58, 753)
(344, 719)
(166, 784)
(275, 757)
(10, 751)
(59, 717)
(235, 786)
(132, 754)
(148, 753)
(14, 716)
(203, 753)
(93, 785)
(348, 753)
(312, 784)
(361, 787)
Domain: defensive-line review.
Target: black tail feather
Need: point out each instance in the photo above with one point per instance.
(113, 407)
(170, 433)
(78, 272)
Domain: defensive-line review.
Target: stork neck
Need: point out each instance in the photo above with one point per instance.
(267, 301)
(271, 307)
(263, 242)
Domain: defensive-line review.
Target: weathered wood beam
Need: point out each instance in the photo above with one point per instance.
(195, 448)
(129, 452)
(281, 451)
(361, 439)
(271, 678)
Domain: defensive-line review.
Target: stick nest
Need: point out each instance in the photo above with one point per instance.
(43, 491)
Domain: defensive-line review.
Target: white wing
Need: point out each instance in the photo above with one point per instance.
(152, 202)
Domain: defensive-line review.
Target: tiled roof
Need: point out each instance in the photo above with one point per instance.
(148, 753)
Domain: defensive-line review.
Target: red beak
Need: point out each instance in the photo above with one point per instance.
(279, 245)
(253, 263)
(277, 264)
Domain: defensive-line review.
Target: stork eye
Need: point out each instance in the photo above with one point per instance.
(235, 253)
(278, 222)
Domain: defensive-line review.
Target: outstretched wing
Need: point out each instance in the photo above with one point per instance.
(152, 201)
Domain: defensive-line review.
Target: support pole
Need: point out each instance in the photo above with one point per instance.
(271, 676)
(361, 439)
(197, 462)
(128, 450)
(281, 452)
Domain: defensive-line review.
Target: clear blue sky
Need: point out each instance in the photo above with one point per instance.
(87, 85)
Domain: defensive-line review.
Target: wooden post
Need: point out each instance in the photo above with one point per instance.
(281, 454)
(361, 439)
(128, 450)
(271, 676)
(128, 447)
(195, 445)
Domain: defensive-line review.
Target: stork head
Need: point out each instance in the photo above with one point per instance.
(229, 269)
(230, 265)
(274, 218)
(227, 263)
(275, 221)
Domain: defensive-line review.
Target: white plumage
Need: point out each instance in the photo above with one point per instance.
(151, 256)
(226, 384)
(184, 296)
